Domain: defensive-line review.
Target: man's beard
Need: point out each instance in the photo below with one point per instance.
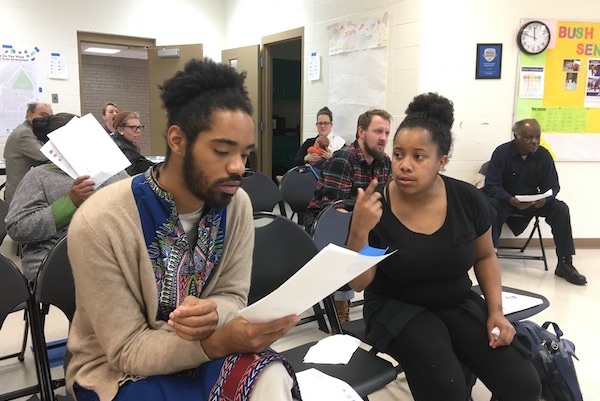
(373, 152)
(197, 183)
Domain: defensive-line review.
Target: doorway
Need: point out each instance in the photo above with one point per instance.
(130, 78)
(282, 100)
(120, 77)
(286, 99)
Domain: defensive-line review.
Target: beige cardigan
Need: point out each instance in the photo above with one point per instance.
(114, 335)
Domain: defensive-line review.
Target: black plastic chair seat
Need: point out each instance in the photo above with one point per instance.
(353, 373)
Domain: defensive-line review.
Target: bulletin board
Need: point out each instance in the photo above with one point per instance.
(560, 87)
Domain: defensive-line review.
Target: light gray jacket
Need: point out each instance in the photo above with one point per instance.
(40, 213)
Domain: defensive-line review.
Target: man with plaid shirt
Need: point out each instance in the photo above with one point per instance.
(351, 168)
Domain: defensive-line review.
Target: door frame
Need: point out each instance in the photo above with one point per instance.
(107, 39)
(266, 146)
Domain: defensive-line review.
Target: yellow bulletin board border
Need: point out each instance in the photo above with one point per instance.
(559, 87)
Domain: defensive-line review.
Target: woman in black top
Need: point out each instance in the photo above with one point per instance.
(419, 306)
(127, 135)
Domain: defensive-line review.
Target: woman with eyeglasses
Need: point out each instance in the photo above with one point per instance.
(324, 125)
(127, 136)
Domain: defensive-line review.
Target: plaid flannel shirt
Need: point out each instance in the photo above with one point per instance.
(341, 177)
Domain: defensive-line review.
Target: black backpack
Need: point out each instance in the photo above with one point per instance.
(552, 357)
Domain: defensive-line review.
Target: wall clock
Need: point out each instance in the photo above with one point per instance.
(533, 37)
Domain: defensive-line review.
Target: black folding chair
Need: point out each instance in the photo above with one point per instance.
(262, 190)
(14, 290)
(21, 307)
(281, 249)
(298, 187)
(55, 286)
(333, 223)
(521, 254)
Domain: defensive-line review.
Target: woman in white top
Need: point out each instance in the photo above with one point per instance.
(324, 125)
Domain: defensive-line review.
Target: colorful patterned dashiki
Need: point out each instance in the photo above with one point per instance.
(181, 270)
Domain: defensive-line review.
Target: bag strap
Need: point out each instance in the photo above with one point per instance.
(313, 170)
(559, 333)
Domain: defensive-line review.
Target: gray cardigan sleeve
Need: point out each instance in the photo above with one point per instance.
(29, 217)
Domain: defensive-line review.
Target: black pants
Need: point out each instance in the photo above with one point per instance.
(557, 216)
(434, 348)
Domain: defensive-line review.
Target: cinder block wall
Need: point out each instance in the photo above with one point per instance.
(119, 80)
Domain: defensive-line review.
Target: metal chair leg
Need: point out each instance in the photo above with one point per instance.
(21, 356)
(541, 244)
(536, 226)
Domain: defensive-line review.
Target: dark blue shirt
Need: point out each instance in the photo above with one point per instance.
(508, 174)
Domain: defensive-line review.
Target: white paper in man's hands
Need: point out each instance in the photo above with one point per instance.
(533, 198)
(82, 147)
(336, 349)
(318, 386)
(327, 271)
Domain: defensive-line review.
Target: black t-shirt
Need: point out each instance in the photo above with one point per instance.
(431, 270)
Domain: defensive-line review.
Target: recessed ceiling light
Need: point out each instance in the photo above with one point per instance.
(101, 50)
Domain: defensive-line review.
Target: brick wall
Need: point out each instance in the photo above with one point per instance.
(119, 80)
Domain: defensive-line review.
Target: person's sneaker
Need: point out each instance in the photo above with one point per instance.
(566, 270)
(342, 308)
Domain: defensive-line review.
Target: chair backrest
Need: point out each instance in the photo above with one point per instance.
(298, 187)
(281, 248)
(333, 224)
(263, 192)
(13, 287)
(3, 213)
(54, 284)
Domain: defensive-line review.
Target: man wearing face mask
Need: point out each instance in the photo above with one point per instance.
(523, 167)
(22, 149)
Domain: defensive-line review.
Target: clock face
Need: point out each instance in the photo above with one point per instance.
(533, 37)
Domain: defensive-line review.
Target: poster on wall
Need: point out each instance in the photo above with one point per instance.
(360, 34)
(531, 83)
(18, 84)
(356, 86)
(57, 66)
(568, 103)
(592, 93)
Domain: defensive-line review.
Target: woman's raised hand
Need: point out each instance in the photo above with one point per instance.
(367, 209)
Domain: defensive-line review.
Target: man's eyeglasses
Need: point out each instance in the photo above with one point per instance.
(134, 127)
(323, 123)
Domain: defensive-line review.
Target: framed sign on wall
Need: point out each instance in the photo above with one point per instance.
(488, 63)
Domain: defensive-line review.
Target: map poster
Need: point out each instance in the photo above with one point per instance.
(18, 85)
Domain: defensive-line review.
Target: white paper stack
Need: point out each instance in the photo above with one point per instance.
(533, 198)
(317, 386)
(82, 147)
(336, 349)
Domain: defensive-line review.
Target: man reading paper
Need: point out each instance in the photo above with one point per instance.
(523, 167)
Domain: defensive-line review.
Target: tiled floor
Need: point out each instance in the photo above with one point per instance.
(572, 307)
